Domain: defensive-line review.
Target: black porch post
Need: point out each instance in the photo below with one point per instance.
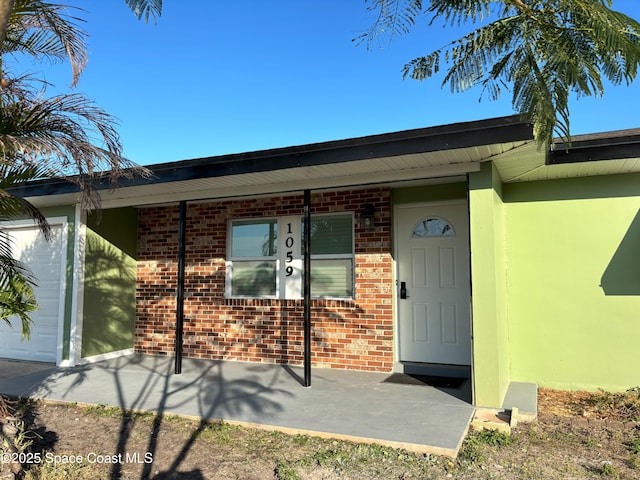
(180, 291)
(307, 288)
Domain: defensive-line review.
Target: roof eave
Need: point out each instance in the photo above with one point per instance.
(592, 148)
(424, 140)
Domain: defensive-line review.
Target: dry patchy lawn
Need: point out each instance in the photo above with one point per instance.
(578, 435)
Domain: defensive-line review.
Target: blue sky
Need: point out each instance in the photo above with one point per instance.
(225, 77)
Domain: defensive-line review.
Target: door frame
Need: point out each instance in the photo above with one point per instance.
(396, 253)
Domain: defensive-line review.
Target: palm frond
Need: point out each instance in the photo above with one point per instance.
(47, 31)
(457, 12)
(544, 51)
(146, 9)
(393, 18)
(18, 300)
(66, 135)
(12, 207)
(17, 297)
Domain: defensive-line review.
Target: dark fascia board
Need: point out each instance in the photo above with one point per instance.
(431, 139)
(617, 145)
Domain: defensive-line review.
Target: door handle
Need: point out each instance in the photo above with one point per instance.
(403, 290)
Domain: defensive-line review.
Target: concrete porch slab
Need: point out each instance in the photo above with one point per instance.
(349, 405)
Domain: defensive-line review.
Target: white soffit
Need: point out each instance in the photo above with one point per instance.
(373, 171)
(527, 166)
(528, 163)
(585, 169)
(385, 170)
(519, 163)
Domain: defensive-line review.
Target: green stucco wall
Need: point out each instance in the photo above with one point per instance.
(555, 269)
(110, 282)
(491, 348)
(574, 281)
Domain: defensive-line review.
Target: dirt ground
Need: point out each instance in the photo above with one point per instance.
(577, 435)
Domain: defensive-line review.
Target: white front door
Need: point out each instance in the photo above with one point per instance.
(432, 252)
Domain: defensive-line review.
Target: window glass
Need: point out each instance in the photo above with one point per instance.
(332, 255)
(254, 238)
(332, 278)
(254, 279)
(433, 227)
(256, 269)
(332, 234)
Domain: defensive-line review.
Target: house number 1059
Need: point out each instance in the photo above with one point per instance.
(290, 284)
(289, 242)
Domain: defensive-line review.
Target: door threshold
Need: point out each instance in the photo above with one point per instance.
(433, 369)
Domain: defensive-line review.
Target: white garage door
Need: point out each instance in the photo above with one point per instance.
(46, 260)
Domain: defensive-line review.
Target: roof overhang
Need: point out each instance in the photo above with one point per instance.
(604, 153)
(389, 159)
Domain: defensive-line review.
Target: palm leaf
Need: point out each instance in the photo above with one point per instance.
(47, 31)
(543, 51)
(17, 297)
(145, 9)
(65, 135)
(16, 287)
(394, 17)
(12, 207)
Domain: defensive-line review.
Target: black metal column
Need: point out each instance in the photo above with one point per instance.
(180, 290)
(307, 288)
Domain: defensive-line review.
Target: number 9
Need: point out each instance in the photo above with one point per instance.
(289, 270)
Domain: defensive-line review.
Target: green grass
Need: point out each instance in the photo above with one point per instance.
(474, 449)
(634, 457)
(101, 410)
(348, 458)
(71, 471)
(634, 445)
(608, 470)
(284, 471)
(533, 451)
(218, 432)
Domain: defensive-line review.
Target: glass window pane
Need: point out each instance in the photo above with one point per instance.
(254, 238)
(254, 279)
(331, 234)
(433, 227)
(332, 278)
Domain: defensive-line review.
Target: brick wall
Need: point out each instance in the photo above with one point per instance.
(349, 334)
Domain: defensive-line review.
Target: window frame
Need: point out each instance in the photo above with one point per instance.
(279, 257)
(339, 256)
(228, 288)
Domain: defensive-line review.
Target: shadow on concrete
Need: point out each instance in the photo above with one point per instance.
(147, 383)
(348, 405)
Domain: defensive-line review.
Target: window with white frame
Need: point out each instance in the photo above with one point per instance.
(265, 257)
(254, 252)
(332, 256)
